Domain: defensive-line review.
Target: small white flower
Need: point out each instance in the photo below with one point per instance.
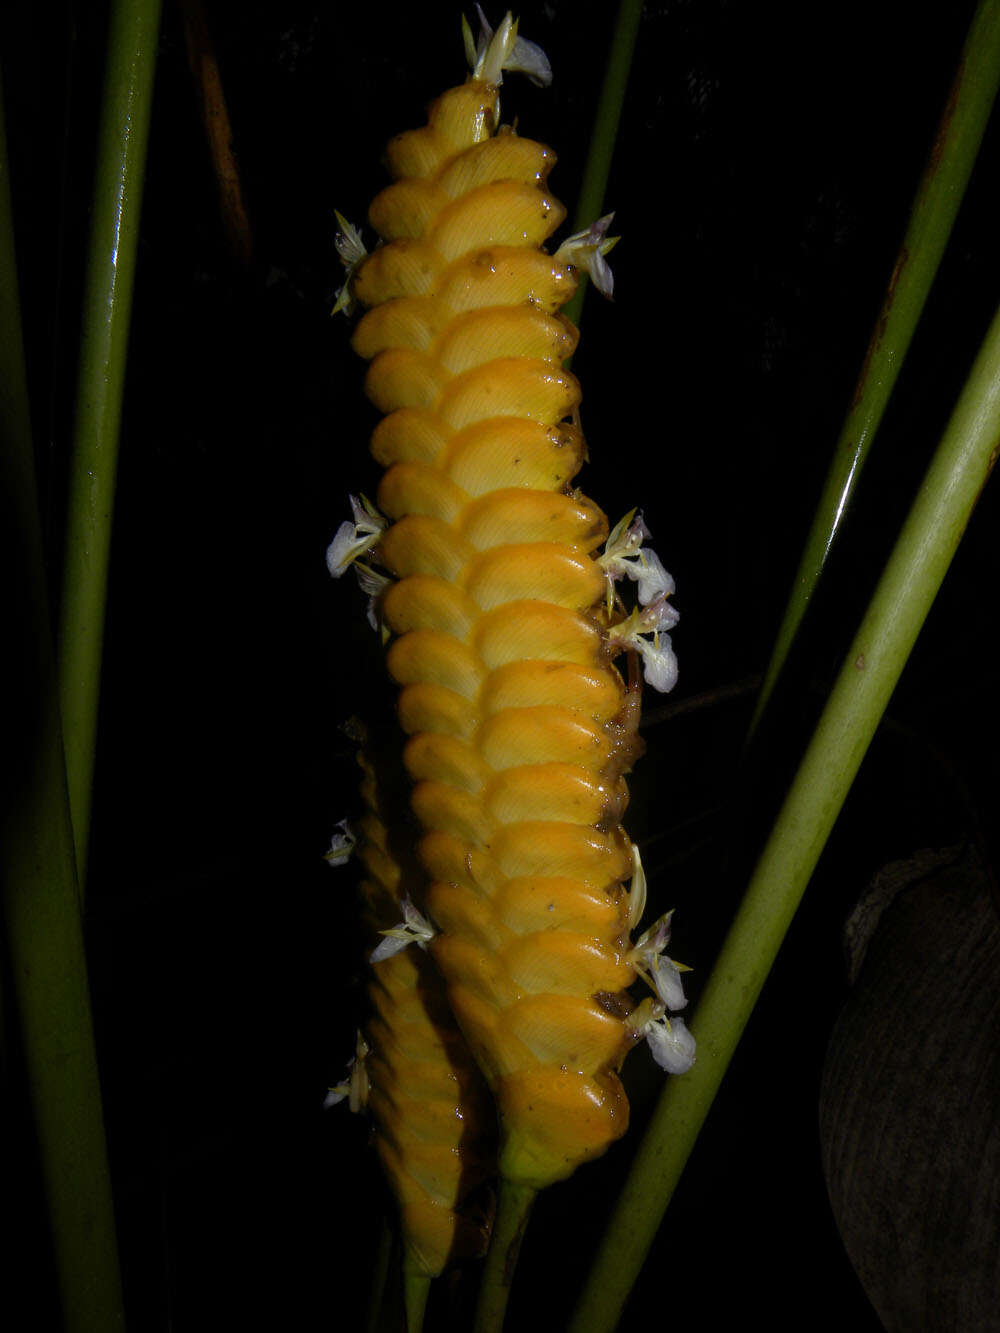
(341, 845)
(351, 249)
(661, 974)
(413, 929)
(586, 249)
(350, 246)
(354, 539)
(624, 555)
(672, 1045)
(355, 1084)
(652, 579)
(659, 665)
(492, 54)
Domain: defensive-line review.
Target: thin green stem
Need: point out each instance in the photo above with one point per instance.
(909, 583)
(416, 1289)
(132, 44)
(380, 1271)
(934, 210)
(513, 1210)
(40, 917)
(602, 142)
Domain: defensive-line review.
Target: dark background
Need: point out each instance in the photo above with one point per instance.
(768, 155)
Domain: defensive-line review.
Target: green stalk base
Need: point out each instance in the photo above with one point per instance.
(513, 1210)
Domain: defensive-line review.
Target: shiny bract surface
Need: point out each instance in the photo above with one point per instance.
(520, 727)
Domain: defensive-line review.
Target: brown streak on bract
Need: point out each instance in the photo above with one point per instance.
(617, 1003)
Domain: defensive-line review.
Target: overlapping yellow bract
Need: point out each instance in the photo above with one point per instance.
(434, 1124)
(520, 728)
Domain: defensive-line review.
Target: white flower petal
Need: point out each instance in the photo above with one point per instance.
(659, 665)
(413, 929)
(393, 943)
(658, 616)
(356, 1085)
(625, 555)
(652, 578)
(600, 273)
(354, 539)
(659, 972)
(341, 845)
(667, 980)
(350, 247)
(586, 250)
(672, 1045)
(345, 546)
(529, 58)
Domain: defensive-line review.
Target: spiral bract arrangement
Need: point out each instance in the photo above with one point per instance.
(520, 728)
(432, 1112)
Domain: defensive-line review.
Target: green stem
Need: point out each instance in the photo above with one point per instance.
(513, 1210)
(39, 907)
(934, 210)
(132, 43)
(380, 1271)
(416, 1289)
(909, 583)
(602, 142)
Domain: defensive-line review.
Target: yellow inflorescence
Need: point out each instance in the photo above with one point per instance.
(433, 1120)
(520, 728)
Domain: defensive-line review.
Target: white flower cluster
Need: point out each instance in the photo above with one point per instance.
(586, 249)
(672, 1045)
(413, 929)
(341, 845)
(660, 973)
(353, 540)
(354, 1086)
(645, 630)
(494, 52)
(352, 251)
(624, 555)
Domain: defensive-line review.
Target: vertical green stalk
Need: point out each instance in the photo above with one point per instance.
(40, 912)
(946, 175)
(124, 131)
(909, 583)
(416, 1289)
(602, 142)
(513, 1210)
(380, 1272)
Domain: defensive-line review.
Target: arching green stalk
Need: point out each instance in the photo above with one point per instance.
(42, 937)
(934, 210)
(911, 579)
(513, 1209)
(121, 160)
(602, 142)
